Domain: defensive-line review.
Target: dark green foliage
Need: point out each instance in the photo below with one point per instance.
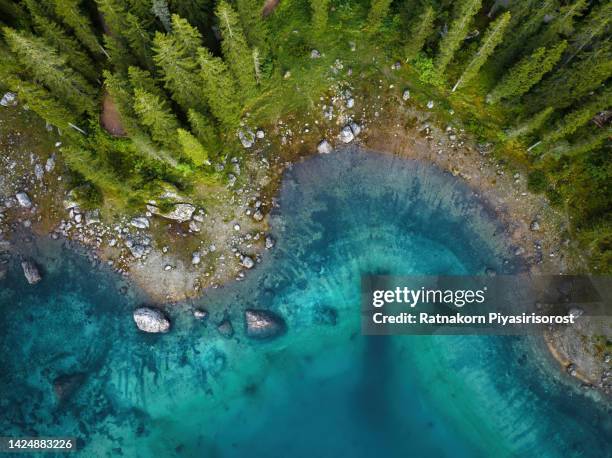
(236, 51)
(420, 29)
(379, 10)
(51, 69)
(526, 73)
(464, 10)
(176, 57)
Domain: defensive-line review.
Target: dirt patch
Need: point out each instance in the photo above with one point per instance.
(110, 117)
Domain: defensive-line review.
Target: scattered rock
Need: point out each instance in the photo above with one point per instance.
(151, 320)
(31, 272)
(406, 94)
(270, 242)
(324, 147)
(260, 134)
(258, 215)
(181, 212)
(9, 99)
(430, 104)
(263, 324)
(23, 199)
(140, 222)
(200, 314)
(350, 103)
(346, 135)
(315, 54)
(246, 138)
(194, 226)
(39, 172)
(196, 258)
(356, 128)
(247, 262)
(534, 226)
(575, 312)
(50, 164)
(225, 328)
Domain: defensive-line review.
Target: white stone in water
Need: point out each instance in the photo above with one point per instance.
(23, 199)
(31, 272)
(247, 262)
(324, 147)
(151, 320)
(39, 172)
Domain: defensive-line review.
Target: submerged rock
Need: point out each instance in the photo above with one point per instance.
(64, 386)
(3, 271)
(270, 242)
(151, 320)
(225, 328)
(263, 324)
(247, 262)
(324, 147)
(31, 272)
(200, 314)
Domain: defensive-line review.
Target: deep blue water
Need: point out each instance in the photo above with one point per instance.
(322, 390)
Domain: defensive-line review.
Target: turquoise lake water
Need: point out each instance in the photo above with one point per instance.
(321, 390)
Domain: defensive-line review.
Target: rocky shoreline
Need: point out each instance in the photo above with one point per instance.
(228, 240)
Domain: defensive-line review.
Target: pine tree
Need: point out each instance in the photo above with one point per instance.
(419, 32)
(63, 43)
(532, 124)
(51, 69)
(596, 139)
(71, 14)
(161, 11)
(515, 44)
(157, 117)
(235, 49)
(379, 10)
(320, 12)
(526, 73)
(573, 82)
(192, 148)
(458, 30)
(128, 41)
(579, 116)
(256, 30)
(203, 128)
(142, 79)
(220, 89)
(492, 37)
(561, 26)
(175, 54)
(594, 25)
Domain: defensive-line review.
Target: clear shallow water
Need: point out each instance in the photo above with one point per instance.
(321, 390)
